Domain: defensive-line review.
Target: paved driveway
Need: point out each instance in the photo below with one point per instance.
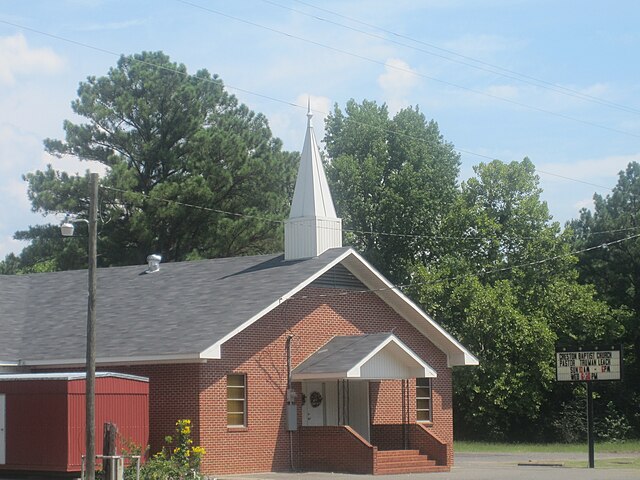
(486, 466)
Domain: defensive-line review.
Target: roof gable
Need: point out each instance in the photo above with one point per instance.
(374, 356)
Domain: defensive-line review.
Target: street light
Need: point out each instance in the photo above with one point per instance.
(67, 227)
(90, 381)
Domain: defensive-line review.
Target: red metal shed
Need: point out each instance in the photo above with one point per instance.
(44, 417)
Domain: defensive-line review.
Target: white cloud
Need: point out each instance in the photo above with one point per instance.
(585, 203)
(320, 106)
(10, 142)
(19, 59)
(9, 245)
(601, 171)
(398, 75)
(397, 82)
(289, 124)
(72, 165)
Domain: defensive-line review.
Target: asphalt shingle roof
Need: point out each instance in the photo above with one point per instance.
(183, 309)
(341, 353)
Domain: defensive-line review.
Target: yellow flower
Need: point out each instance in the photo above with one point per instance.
(186, 430)
(199, 450)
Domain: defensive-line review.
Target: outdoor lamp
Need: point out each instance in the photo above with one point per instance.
(66, 229)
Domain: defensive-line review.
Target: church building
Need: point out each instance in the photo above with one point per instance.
(304, 361)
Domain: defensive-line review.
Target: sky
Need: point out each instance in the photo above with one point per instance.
(558, 82)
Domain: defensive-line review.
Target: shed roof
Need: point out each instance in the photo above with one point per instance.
(66, 376)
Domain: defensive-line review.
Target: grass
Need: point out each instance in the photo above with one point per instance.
(629, 462)
(629, 446)
(629, 452)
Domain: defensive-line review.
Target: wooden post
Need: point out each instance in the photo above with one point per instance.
(109, 449)
(91, 331)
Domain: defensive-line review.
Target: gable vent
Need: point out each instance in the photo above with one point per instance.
(339, 277)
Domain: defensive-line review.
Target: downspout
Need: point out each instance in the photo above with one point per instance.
(405, 412)
(289, 395)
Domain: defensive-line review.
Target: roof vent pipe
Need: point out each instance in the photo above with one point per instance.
(154, 263)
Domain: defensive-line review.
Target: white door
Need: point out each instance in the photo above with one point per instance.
(313, 410)
(3, 429)
(359, 407)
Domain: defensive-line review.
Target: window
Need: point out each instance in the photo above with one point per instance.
(236, 400)
(423, 399)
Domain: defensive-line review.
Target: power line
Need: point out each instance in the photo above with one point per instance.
(410, 71)
(496, 69)
(260, 95)
(360, 232)
(412, 284)
(467, 275)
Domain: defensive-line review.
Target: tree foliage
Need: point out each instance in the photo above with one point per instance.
(393, 175)
(486, 259)
(169, 141)
(508, 290)
(614, 269)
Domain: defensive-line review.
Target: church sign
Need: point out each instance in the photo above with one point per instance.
(588, 365)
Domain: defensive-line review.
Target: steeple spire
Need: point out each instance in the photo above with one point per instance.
(313, 225)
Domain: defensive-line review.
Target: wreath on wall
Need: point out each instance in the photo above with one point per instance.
(315, 399)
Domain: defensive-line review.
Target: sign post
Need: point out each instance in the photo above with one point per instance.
(589, 365)
(590, 438)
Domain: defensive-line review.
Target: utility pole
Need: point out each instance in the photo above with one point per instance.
(90, 380)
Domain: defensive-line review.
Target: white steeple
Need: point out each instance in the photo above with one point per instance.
(313, 226)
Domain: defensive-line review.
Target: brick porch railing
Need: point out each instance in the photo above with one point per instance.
(335, 449)
(342, 449)
(412, 436)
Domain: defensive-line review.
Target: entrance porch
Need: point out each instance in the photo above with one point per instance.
(337, 433)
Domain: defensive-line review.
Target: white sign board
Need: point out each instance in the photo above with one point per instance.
(588, 365)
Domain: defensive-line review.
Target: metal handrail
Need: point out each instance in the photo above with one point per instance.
(113, 459)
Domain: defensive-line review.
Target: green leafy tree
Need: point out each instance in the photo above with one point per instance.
(508, 290)
(614, 269)
(169, 141)
(393, 175)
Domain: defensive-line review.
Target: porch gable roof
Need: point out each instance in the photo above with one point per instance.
(373, 356)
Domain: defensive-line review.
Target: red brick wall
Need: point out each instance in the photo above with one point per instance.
(423, 438)
(173, 395)
(335, 449)
(198, 391)
(259, 352)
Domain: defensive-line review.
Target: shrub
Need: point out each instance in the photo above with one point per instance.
(613, 427)
(178, 460)
(570, 422)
